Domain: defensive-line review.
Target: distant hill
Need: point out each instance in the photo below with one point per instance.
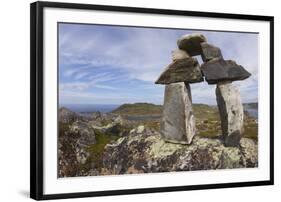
(138, 109)
(203, 111)
(200, 110)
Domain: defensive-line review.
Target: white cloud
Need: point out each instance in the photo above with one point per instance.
(94, 82)
(142, 55)
(77, 97)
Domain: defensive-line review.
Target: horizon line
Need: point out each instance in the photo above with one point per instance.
(140, 103)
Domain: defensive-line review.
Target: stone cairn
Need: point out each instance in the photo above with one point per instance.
(178, 121)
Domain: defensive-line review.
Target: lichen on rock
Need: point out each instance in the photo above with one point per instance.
(150, 153)
(161, 149)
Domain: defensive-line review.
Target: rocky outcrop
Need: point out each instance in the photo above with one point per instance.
(111, 126)
(148, 152)
(181, 70)
(231, 113)
(178, 123)
(67, 116)
(84, 131)
(74, 139)
(217, 70)
(116, 145)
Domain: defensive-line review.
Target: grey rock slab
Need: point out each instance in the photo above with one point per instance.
(85, 131)
(183, 70)
(67, 116)
(178, 122)
(217, 70)
(191, 43)
(231, 113)
(210, 52)
(179, 54)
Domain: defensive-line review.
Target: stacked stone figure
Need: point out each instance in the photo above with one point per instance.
(178, 121)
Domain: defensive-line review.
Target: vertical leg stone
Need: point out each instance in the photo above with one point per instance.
(231, 113)
(178, 122)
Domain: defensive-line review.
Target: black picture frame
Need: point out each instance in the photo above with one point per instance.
(36, 99)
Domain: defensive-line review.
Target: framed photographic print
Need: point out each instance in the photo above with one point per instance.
(136, 100)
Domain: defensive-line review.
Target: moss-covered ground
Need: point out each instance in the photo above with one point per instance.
(96, 150)
(207, 119)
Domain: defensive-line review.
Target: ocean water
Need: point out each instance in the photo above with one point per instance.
(253, 113)
(104, 108)
(90, 107)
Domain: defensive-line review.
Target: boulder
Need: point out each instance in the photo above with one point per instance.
(178, 122)
(67, 116)
(191, 43)
(179, 54)
(85, 132)
(149, 153)
(210, 52)
(231, 113)
(183, 70)
(108, 123)
(217, 70)
(73, 142)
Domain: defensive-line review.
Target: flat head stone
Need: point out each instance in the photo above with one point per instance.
(210, 52)
(218, 70)
(184, 70)
(191, 43)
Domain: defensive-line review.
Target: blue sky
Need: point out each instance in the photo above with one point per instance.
(115, 65)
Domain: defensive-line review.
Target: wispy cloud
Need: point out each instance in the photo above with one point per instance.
(95, 60)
